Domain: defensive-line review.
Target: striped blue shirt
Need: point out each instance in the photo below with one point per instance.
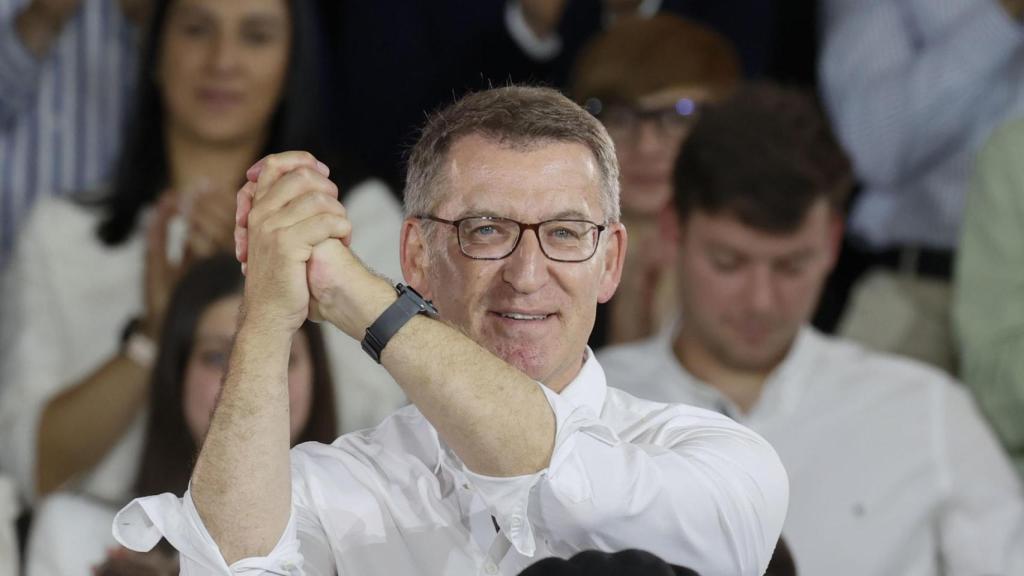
(914, 88)
(61, 117)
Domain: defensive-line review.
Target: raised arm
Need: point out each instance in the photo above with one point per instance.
(241, 484)
(495, 417)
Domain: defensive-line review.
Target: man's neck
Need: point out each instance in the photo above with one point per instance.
(742, 387)
(221, 166)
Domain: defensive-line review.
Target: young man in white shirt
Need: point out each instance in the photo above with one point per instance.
(893, 471)
(514, 448)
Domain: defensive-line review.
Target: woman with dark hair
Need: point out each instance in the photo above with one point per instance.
(72, 532)
(83, 300)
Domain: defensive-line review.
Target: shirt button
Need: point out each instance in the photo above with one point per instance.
(491, 567)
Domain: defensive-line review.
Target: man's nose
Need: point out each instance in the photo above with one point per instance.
(526, 268)
(761, 289)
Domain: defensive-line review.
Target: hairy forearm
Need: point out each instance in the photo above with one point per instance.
(241, 485)
(80, 426)
(493, 416)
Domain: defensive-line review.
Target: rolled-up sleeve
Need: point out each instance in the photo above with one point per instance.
(301, 550)
(698, 490)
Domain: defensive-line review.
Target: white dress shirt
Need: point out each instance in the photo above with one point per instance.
(687, 484)
(914, 87)
(66, 296)
(892, 469)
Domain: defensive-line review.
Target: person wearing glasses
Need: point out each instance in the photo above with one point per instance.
(514, 449)
(647, 80)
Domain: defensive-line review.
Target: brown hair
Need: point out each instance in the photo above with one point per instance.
(514, 116)
(168, 450)
(640, 56)
(765, 155)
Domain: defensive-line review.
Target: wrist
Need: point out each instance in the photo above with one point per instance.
(263, 333)
(359, 305)
(137, 345)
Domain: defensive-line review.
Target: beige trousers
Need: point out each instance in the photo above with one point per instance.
(903, 314)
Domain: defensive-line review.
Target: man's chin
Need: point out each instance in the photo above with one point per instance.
(529, 358)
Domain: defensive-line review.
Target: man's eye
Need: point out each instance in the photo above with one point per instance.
(484, 231)
(725, 263)
(565, 234)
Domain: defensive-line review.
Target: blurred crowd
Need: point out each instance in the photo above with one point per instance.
(824, 202)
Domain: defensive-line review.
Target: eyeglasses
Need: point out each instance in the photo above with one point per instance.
(623, 122)
(494, 238)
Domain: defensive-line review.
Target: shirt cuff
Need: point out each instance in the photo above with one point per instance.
(540, 49)
(19, 69)
(508, 498)
(141, 524)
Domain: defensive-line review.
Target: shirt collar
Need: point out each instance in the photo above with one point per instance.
(589, 387)
(782, 390)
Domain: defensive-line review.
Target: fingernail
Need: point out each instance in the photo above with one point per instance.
(323, 168)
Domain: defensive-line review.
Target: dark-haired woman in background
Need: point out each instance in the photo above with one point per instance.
(83, 300)
(71, 532)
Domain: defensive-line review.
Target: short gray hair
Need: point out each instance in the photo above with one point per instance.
(514, 116)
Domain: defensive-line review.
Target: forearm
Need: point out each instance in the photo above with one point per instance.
(495, 418)
(241, 485)
(80, 426)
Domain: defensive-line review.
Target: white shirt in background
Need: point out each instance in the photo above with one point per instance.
(892, 470)
(65, 298)
(687, 484)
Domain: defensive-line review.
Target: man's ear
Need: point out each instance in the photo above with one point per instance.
(614, 248)
(415, 260)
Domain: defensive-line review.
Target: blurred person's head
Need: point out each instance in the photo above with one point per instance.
(647, 80)
(760, 186)
(530, 155)
(216, 73)
(195, 344)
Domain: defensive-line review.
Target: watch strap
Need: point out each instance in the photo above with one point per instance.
(408, 304)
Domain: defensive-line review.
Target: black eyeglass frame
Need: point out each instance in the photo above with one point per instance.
(522, 227)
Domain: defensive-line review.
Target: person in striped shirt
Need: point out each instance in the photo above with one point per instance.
(66, 72)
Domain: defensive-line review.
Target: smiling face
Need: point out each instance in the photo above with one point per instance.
(207, 364)
(746, 293)
(222, 66)
(534, 313)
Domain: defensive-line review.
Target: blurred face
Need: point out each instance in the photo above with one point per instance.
(208, 362)
(647, 139)
(746, 293)
(222, 67)
(533, 312)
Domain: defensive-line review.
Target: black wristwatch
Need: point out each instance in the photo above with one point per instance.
(409, 304)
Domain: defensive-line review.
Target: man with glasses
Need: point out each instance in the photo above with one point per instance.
(514, 448)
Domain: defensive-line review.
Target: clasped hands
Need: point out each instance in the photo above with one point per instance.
(292, 238)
